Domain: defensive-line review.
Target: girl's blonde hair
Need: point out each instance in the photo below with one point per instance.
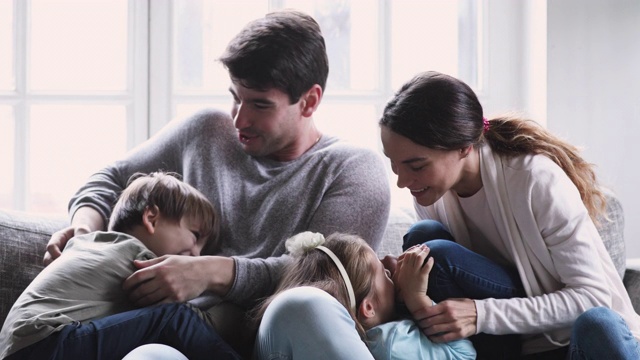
(315, 268)
(441, 112)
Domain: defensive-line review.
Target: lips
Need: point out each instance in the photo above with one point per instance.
(245, 138)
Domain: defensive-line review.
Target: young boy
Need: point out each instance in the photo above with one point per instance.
(76, 308)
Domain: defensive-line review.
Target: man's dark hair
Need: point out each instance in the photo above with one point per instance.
(283, 50)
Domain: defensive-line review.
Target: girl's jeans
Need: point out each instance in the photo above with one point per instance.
(598, 333)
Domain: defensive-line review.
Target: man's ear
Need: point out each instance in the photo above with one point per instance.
(150, 218)
(310, 100)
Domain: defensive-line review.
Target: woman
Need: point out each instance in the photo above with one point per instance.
(519, 205)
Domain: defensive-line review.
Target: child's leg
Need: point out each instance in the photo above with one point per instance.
(308, 323)
(112, 337)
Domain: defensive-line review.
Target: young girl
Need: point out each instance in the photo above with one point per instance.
(342, 275)
(520, 205)
(76, 308)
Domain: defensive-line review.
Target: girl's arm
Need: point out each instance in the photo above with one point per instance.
(411, 278)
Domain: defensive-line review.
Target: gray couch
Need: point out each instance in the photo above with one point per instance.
(23, 238)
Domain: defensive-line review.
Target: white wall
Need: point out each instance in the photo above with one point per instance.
(593, 98)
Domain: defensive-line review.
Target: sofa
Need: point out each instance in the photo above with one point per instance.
(23, 239)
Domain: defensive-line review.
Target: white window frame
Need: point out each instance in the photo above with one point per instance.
(135, 97)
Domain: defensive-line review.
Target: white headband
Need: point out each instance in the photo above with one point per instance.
(343, 272)
(303, 242)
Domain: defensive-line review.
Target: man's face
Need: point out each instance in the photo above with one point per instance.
(268, 125)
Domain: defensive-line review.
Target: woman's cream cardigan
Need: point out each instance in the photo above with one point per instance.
(555, 246)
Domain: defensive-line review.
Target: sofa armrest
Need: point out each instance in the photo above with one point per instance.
(23, 240)
(632, 284)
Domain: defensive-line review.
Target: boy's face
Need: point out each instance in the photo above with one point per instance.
(175, 238)
(267, 124)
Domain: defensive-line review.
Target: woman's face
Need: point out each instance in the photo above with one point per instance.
(427, 173)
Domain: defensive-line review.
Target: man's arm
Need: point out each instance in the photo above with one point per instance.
(91, 206)
(85, 220)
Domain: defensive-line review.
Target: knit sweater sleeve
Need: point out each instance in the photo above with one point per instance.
(162, 152)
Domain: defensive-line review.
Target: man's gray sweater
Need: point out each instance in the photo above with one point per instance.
(333, 187)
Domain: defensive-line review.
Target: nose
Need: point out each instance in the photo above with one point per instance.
(404, 180)
(240, 119)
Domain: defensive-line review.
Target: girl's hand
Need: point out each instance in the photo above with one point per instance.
(411, 278)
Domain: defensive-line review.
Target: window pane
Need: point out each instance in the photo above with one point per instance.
(424, 36)
(356, 123)
(185, 110)
(78, 45)
(7, 78)
(68, 143)
(7, 151)
(202, 30)
(350, 29)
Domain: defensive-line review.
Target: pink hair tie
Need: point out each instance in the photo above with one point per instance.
(485, 124)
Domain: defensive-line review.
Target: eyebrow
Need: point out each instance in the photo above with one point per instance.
(257, 100)
(413, 160)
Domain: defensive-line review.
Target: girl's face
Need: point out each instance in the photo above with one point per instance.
(426, 172)
(382, 292)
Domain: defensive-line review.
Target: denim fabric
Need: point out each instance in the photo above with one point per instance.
(112, 337)
(600, 333)
(460, 273)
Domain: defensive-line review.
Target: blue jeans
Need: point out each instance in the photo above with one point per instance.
(599, 333)
(308, 323)
(460, 273)
(112, 337)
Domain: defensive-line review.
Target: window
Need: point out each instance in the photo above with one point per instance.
(83, 81)
(71, 95)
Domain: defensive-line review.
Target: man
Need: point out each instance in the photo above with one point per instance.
(267, 169)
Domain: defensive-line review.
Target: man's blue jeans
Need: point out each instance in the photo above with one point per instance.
(599, 333)
(112, 337)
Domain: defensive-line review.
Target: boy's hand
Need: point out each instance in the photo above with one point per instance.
(412, 277)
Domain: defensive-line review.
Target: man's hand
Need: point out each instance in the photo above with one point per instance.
(175, 278)
(85, 220)
(449, 320)
(59, 240)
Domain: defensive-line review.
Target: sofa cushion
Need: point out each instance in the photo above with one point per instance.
(23, 240)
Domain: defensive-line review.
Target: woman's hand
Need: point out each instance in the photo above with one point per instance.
(449, 320)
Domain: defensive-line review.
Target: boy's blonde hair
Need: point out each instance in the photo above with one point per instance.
(174, 198)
